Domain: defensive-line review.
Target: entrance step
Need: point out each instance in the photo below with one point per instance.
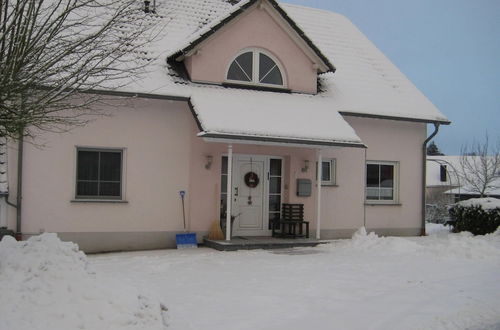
(254, 243)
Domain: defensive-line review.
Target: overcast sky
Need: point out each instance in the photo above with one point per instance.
(450, 49)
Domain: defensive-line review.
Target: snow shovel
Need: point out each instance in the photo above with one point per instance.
(186, 240)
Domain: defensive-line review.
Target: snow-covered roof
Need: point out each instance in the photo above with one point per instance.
(218, 23)
(454, 181)
(365, 83)
(284, 123)
(4, 188)
(433, 176)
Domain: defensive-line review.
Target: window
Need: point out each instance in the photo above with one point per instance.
(328, 169)
(275, 181)
(257, 68)
(442, 173)
(99, 174)
(223, 188)
(381, 181)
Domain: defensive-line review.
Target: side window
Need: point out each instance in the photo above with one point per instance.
(381, 182)
(99, 174)
(328, 172)
(255, 67)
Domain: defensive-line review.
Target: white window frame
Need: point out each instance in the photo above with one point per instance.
(255, 74)
(333, 172)
(81, 198)
(395, 195)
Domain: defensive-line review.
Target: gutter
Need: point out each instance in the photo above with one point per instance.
(424, 173)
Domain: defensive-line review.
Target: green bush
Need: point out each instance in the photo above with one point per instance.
(474, 219)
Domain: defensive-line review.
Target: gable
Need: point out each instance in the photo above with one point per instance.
(254, 29)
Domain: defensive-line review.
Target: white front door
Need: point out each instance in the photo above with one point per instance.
(250, 195)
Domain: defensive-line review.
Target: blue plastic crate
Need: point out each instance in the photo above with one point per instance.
(186, 241)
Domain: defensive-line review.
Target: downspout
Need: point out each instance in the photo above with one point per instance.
(424, 173)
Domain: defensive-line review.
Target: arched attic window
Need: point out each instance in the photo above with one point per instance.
(256, 67)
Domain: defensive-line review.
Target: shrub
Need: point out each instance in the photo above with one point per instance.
(473, 218)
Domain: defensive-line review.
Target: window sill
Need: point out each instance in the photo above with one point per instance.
(118, 201)
(383, 204)
(329, 185)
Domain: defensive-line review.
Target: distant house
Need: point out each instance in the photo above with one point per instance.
(241, 102)
(445, 185)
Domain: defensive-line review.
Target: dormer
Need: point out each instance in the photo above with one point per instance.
(256, 46)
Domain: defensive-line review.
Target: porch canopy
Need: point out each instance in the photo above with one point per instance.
(247, 116)
(242, 116)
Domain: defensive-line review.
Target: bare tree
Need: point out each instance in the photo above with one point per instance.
(479, 168)
(54, 52)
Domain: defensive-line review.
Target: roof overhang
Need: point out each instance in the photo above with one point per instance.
(276, 141)
(415, 120)
(274, 9)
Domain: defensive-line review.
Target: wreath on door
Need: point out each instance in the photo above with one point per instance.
(251, 179)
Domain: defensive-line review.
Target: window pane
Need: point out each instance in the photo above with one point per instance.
(269, 73)
(110, 166)
(273, 216)
(224, 165)
(275, 185)
(266, 64)
(274, 77)
(88, 165)
(223, 184)
(372, 193)
(223, 203)
(274, 203)
(386, 176)
(386, 193)
(275, 167)
(241, 68)
(325, 171)
(86, 188)
(372, 175)
(109, 189)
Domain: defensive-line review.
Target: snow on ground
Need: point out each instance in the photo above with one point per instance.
(437, 229)
(48, 284)
(442, 281)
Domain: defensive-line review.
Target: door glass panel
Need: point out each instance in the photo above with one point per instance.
(275, 185)
(274, 202)
(275, 167)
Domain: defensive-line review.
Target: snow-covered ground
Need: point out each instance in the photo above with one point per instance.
(443, 281)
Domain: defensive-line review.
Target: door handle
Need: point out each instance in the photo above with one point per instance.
(236, 191)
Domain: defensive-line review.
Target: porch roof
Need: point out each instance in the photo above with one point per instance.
(251, 116)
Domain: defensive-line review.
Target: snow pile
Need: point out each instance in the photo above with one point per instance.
(462, 245)
(47, 284)
(485, 203)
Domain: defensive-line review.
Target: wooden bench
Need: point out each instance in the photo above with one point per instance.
(291, 223)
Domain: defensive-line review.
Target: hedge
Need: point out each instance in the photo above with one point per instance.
(475, 219)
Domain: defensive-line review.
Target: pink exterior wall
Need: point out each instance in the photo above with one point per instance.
(163, 156)
(254, 28)
(399, 141)
(156, 144)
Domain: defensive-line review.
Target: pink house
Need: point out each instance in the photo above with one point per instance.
(242, 100)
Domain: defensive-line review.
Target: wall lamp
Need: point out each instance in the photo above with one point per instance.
(306, 166)
(209, 162)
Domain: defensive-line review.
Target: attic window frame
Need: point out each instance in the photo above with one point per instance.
(255, 69)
